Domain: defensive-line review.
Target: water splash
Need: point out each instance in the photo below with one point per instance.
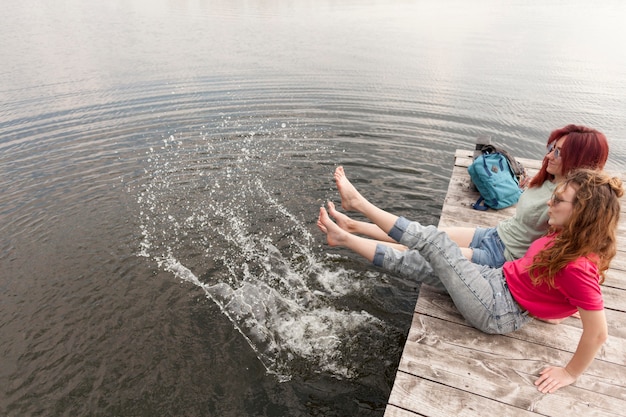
(212, 214)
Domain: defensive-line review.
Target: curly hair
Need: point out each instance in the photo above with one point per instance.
(584, 148)
(590, 231)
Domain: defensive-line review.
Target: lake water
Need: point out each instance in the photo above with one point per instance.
(162, 163)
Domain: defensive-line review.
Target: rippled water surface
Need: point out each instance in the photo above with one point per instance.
(162, 164)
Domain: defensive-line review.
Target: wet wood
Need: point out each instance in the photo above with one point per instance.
(448, 368)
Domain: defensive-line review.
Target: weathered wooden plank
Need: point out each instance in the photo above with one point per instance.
(502, 376)
(602, 376)
(614, 298)
(619, 262)
(393, 411)
(439, 400)
(490, 367)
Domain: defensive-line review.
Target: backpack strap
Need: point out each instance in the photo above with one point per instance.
(489, 148)
(478, 206)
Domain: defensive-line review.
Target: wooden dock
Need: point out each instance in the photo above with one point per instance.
(449, 368)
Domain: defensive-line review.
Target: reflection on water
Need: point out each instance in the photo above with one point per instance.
(162, 163)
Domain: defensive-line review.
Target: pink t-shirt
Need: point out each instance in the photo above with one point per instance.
(577, 285)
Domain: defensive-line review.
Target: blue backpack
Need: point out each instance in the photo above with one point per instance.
(495, 180)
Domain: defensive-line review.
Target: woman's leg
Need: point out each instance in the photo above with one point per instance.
(336, 236)
(462, 236)
(479, 293)
(470, 286)
(408, 263)
(358, 227)
(352, 200)
(474, 308)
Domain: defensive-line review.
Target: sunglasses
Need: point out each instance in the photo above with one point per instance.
(556, 200)
(557, 151)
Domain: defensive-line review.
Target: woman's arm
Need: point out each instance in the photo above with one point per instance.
(595, 333)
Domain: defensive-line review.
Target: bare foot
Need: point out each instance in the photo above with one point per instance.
(335, 236)
(342, 220)
(350, 197)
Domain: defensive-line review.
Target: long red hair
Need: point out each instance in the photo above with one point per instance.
(590, 231)
(584, 148)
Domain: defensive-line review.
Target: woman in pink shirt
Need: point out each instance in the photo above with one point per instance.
(560, 274)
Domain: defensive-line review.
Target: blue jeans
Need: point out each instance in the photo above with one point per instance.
(408, 263)
(488, 247)
(479, 292)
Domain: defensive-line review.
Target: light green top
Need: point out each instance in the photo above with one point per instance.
(529, 223)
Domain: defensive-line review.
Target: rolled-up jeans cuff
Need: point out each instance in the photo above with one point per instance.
(398, 229)
(379, 255)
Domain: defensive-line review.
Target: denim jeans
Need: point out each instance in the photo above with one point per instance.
(488, 247)
(479, 292)
(409, 263)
